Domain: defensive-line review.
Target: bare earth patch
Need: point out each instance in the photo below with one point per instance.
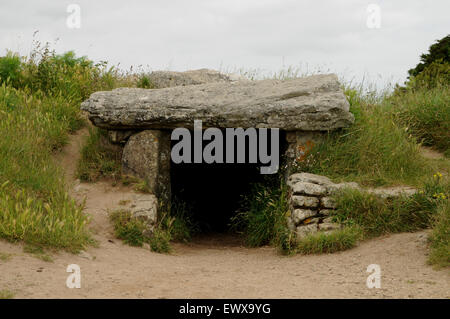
(430, 153)
(215, 267)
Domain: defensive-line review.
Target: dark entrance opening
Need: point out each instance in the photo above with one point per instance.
(212, 193)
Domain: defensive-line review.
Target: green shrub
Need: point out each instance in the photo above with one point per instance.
(438, 52)
(134, 231)
(127, 228)
(436, 75)
(11, 69)
(160, 241)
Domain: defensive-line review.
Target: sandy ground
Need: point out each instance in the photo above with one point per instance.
(215, 266)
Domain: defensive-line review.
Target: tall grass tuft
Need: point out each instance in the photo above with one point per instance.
(377, 216)
(39, 106)
(440, 237)
(374, 151)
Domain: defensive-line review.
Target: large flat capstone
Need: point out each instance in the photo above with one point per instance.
(314, 103)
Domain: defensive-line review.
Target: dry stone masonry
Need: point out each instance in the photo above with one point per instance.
(141, 121)
(311, 204)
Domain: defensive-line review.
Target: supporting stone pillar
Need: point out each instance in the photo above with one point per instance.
(146, 155)
(300, 144)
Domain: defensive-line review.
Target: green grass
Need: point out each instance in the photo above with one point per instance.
(338, 240)
(374, 151)
(39, 106)
(5, 256)
(37, 252)
(6, 294)
(377, 216)
(381, 148)
(127, 228)
(428, 208)
(40, 97)
(172, 226)
(440, 237)
(99, 158)
(263, 214)
(426, 115)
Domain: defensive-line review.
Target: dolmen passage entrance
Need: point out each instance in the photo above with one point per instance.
(206, 137)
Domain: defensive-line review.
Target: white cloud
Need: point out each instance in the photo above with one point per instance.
(235, 33)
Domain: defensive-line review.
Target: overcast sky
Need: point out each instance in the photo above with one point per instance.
(233, 34)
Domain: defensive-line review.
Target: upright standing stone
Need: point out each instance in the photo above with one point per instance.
(147, 155)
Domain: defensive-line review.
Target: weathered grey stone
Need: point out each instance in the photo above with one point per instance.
(300, 215)
(147, 155)
(331, 189)
(304, 201)
(327, 220)
(329, 226)
(165, 79)
(308, 178)
(328, 202)
(392, 192)
(304, 230)
(145, 208)
(301, 188)
(315, 103)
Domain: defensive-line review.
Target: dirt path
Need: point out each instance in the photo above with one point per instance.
(214, 267)
(430, 153)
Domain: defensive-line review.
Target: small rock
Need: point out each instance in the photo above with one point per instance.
(336, 187)
(309, 178)
(144, 207)
(304, 201)
(303, 188)
(302, 231)
(85, 255)
(300, 215)
(329, 226)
